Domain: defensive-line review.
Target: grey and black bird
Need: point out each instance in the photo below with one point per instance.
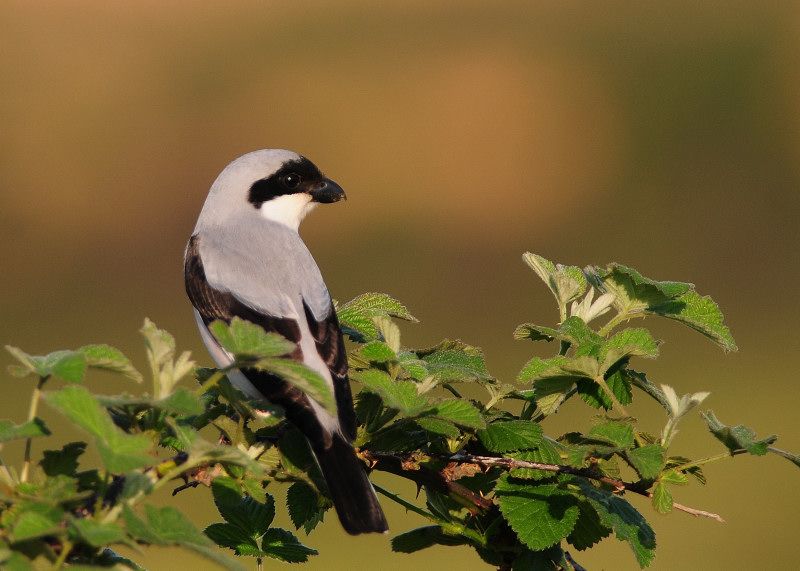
(246, 259)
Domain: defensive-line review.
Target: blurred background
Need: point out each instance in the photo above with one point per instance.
(664, 136)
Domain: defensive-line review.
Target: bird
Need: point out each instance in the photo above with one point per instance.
(246, 259)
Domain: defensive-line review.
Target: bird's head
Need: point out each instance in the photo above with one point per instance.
(280, 185)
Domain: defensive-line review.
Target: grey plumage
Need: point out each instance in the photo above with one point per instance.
(247, 259)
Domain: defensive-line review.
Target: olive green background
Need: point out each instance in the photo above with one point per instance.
(662, 135)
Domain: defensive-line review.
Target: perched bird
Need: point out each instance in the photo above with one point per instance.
(246, 259)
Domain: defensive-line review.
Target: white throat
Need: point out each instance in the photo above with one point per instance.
(289, 209)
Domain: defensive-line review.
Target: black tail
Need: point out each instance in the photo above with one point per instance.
(352, 494)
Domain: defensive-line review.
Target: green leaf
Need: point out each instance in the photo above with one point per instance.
(14, 561)
(67, 365)
(619, 434)
(62, 462)
(647, 460)
(595, 396)
(511, 435)
(549, 394)
(96, 533)
(627, 523)
(36, 520)
(535, 332)
(227, 535)
(632, 342)
(459, 412)
(302, 503)
(31, 429)
(110, 358)
(248, 340)
(662, 498)
(304, 378)
(167, 370)
(439, 427)
(588, 530)
(737, 437)
(358, 314)
(400, 395)
(119, 451)
(455, 361)
(540, 515)
(182, 402)
(247, 514)
(566, 282)
(545, 453)
(700, 313)
(168, 526)
(377, 352)
(634, 293)
(284, 546)
(423, 537)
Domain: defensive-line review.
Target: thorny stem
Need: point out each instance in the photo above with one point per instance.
(413, 470)
(408, 505)
(35, 398)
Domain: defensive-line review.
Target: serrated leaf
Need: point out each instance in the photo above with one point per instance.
(619, 434)
(567, 283)
(96, 533)
(182, 402)
(439, 427)
(588, 530)
(627, 523)
(106, 357)
(67, 365)
(119, 451)
(243, 512)
(377, 352)
(455, 361)
(168, 526)
(400, 395)
(248, 340)
(423, 537)
(634, 293)
(549, 394)
(647, 460)
(62, 462)
(413, 366)
(358, 314)
(673, 477)
(31, 429)
(737, 437)
(232, 537)
(595, 396)
(36, 520)
(540, 515)
(662, 498)
(167, 370)
(545, 453)
(631, 342)
(459, 412)
(302, 503)
(535, 332)
(304, 378)
(284, 546)
(511, 435)
(702, 314)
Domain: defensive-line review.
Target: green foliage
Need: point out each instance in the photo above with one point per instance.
(489, 476)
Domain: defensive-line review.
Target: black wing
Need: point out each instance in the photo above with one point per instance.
(213, 304)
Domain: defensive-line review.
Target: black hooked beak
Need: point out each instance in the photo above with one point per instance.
(326, 191)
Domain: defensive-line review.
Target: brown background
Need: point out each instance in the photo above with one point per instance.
(663, 136)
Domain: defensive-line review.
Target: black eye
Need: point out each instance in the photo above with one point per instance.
(291, 180)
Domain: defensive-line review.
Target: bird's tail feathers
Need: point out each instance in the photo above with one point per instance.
(352, 494)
